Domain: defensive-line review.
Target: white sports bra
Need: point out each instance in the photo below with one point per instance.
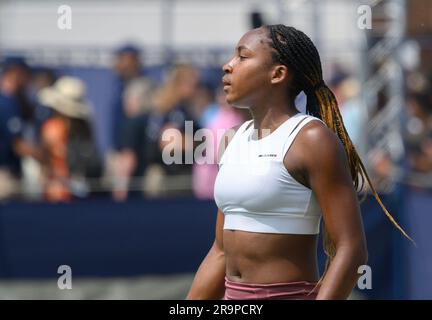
(255, 191)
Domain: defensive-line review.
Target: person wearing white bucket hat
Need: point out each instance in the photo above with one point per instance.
(67, 139)
(67, 97)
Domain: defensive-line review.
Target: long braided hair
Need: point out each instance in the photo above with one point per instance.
(296, 50)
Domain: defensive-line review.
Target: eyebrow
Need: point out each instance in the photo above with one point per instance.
(242, 47)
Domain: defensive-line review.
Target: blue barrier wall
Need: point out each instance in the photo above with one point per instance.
(101, 238)
(418, 214)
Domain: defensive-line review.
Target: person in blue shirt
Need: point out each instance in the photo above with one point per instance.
(127, 67)
(13, 80)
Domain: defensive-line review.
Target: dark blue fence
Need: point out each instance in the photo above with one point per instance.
(102, 238)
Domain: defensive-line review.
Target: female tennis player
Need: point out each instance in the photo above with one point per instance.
(273, 190)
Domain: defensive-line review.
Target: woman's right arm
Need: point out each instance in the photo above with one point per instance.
(209, 281)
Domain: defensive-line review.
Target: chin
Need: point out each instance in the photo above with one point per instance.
(235, 102)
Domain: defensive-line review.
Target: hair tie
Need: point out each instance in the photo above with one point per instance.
(318, 85)
(314, 88)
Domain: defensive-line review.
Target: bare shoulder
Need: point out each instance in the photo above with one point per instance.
(315, 133)
(319, 144)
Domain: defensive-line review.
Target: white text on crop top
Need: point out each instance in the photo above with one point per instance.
(255, 191)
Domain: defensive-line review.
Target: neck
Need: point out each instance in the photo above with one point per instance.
(271, 114)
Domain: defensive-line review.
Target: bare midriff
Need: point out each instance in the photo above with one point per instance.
(270, 258)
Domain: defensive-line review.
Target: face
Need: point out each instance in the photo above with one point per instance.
(127, 65)
(188, 84)
(17, 78)
(248, 74)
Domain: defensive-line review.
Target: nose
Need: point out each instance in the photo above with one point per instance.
(227, 67)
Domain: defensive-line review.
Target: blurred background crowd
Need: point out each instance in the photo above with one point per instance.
(64, 137)
(49, 146)
(82, 111)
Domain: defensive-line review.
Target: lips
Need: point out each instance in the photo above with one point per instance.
(226, 84)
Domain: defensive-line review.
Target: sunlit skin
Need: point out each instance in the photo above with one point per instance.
(316, 159)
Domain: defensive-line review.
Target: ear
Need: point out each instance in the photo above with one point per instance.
(279, 74)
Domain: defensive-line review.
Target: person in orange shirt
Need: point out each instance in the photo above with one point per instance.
(69, 123)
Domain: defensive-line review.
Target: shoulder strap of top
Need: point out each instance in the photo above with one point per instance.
(240, 130)
(234, 138)
(296, 129)
(244, 126)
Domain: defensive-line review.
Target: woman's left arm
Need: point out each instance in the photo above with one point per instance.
(328, 173)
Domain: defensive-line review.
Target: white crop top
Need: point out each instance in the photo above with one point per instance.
(255, 191)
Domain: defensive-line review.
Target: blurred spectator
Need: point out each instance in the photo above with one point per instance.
(128, 161)
(15, 116)
(418, 132)
(70, 152)
(346, 89)
(41, 78)
(31, 169)
(218, 116)
(127, 66)
(204, 106)
(171, 108)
